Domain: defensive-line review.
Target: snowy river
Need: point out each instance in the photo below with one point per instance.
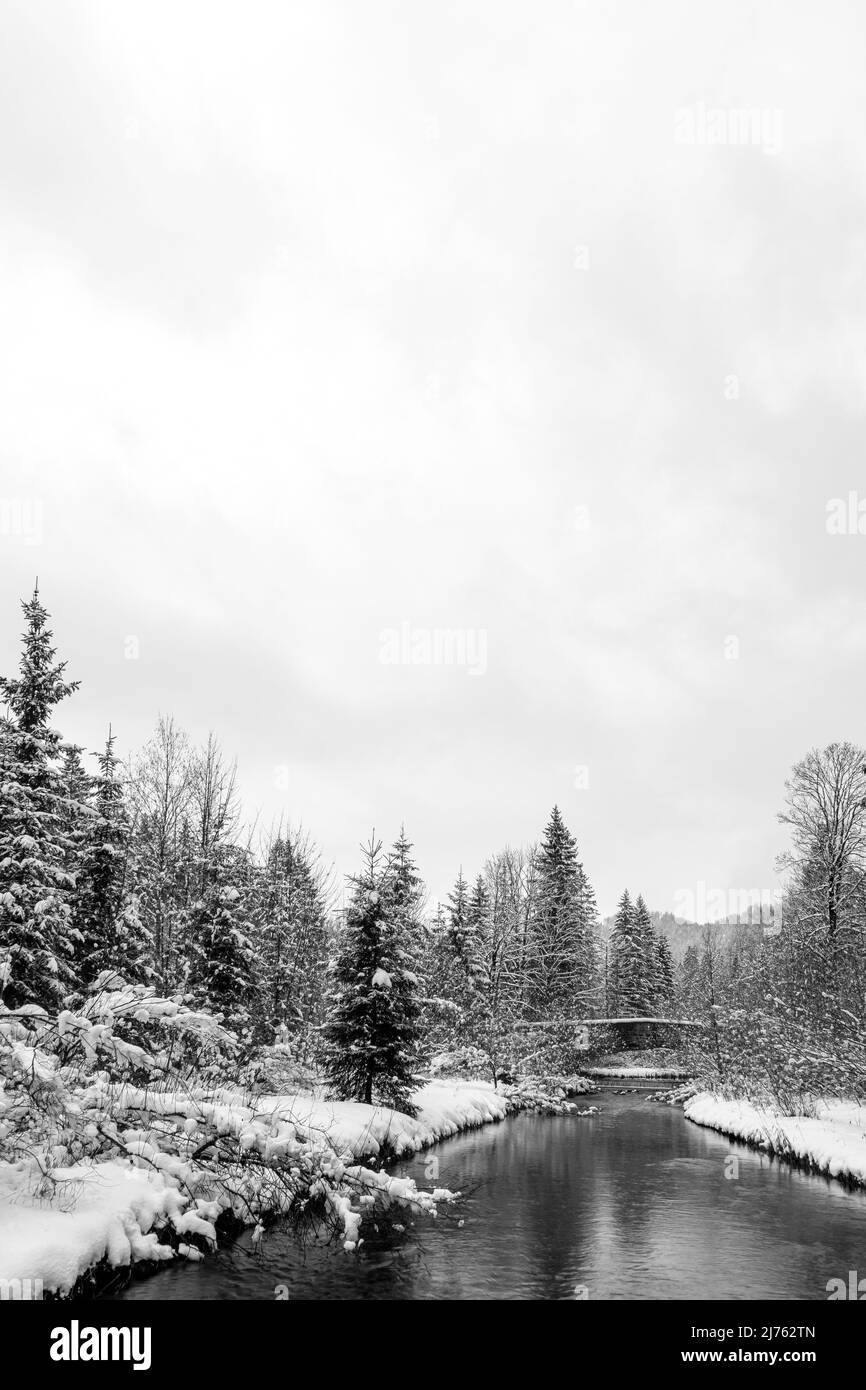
(631, 1203)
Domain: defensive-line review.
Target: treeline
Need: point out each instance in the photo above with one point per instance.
(639, 974)
(144, 871)
(513, 960)
(147, 870)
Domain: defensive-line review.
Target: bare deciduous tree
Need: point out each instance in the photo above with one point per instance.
(826, 810)
(159, 783)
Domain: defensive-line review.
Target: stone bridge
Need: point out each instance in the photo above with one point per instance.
(638, 1031)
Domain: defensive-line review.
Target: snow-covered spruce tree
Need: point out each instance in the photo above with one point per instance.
(222, 963)
(35, 853)
(292, 939)
(405, 895)
(687, 982)
(627, 963)
(372, 1030)
(465, 917)
(440, 976)
(665, 975)
(647, 944)
(562, 951)
(451, 973)
(77, 791)
(457, 927)
(477, 909)
(405, 891)
(104, 908)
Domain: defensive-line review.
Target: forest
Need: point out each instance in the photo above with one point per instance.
(147, 872)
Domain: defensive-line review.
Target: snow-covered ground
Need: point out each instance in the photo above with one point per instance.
(832, 1141)
(105, 1211)
(111, 1211)
(444, 1108)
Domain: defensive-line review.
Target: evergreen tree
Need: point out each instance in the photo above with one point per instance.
(372, 1032)
(404, 889)
(664, 976)
(477, 910)
(105, 912)
(36, 855)
(222, 972)
(460, 929)
(627, 963)
(687, 981)
(292, 939)
(452, 975)
(476, 949)
(77, 785)
(647, 947)
(405, 894)
(561, 956)
(444, 981)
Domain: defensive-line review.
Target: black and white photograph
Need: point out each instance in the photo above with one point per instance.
(432, 665)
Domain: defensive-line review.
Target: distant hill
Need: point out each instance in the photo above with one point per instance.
(681, 934)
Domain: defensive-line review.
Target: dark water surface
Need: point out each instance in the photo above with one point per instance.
(632, 1203)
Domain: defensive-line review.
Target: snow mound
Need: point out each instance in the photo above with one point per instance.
(833, 1141)
(364, 1131)
(105, 1211)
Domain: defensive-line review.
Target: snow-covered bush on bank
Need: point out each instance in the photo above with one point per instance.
(776, 1053)
(549, 1096)
(47, 1060)
(277, 1071)
(462, 1061)
(677, 1095)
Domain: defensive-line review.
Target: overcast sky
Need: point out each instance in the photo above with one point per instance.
(323, 321)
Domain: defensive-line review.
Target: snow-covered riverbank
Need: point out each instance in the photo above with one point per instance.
(831, 1141)
(148, 1205)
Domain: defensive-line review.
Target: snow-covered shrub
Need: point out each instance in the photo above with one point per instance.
(47, 1058)
(470, 1062)
(777, 1050)
(277, 1071)
(546, 1048)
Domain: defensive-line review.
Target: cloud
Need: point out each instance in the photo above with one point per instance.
(318, 321)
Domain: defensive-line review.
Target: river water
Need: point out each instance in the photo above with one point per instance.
(632, 1203)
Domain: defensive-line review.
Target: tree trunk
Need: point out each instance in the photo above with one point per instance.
(832, 904)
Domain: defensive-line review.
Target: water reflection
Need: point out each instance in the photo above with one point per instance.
(632, 1203)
